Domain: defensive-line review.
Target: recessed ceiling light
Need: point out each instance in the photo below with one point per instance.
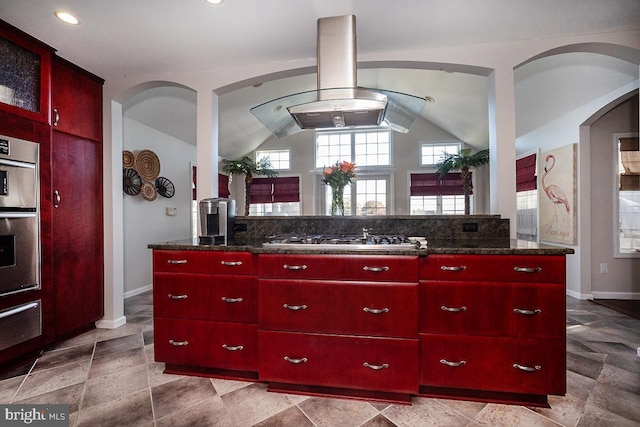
(66, 17)
(214, 1)
(429, 98)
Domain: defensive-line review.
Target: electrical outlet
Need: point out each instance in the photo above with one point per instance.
(604, 267)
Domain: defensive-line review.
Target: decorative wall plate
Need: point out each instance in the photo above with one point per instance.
(131, 181)
(149, 192)
(165, 187)
(147, 164)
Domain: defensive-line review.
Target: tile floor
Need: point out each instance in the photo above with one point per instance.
(109, 378)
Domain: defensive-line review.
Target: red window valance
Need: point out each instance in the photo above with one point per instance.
(223, 186)
(275, 190)
(430, 184)
(526, 178)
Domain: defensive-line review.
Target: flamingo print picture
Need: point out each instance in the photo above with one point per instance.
(557, 204)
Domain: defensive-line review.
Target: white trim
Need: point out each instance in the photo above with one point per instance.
(576, 295)
(111, 324)
(616, 295)
(138, 291)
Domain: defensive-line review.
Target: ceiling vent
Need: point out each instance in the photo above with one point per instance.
(338, 102)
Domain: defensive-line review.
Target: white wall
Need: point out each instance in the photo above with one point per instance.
(145, 221)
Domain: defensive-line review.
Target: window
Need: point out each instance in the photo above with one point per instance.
(275, 196)
(628, 200)
(431, 154)
(364, 148)
(370, 150)
(279, 159)
(432, 195)
(527, 198)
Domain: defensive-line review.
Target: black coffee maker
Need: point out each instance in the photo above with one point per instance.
(217, 218)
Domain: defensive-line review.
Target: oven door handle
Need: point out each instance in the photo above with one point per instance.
(18, 215)
(19, 309)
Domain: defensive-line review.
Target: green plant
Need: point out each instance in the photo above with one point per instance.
(249, 168)
(462, 161)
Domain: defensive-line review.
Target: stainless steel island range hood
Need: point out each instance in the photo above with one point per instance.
(338, 102)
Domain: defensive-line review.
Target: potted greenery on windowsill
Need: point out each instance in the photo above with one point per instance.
(249, 168)
(462, 161)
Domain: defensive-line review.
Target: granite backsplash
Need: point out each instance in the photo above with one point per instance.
(437, 227)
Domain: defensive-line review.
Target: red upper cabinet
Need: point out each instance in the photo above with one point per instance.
(76, 101)
(25, 74)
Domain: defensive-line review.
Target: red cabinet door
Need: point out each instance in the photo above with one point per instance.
(206, 296)
(206, 344)
(76, 99)
(499, 364)
(324, 306)
(207, 262)
(379, 268)
(384, 364)
(77, 234)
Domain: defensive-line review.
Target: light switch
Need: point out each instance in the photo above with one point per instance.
(172, 211)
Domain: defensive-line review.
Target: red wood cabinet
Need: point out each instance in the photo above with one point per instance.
(77, 232)
(206, 310)
(30, 59)
(75, 198)
(335, 307)
(493, 323)
(353, 362)
(76, 98)
(378, 326)
(335, 321)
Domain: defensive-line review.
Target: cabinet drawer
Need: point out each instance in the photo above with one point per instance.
(389, 268)
(497, 364)
(361, 308)
(534, 310)
(206, 296)
(385, 364)
(502, 268)
(214, 262)
(206, 344)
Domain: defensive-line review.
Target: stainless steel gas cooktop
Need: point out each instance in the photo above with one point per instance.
(363, 241)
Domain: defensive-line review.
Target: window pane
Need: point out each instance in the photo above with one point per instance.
(527, 215)
(371, 197)
(431, 154)
(281, 209)
(279, 158)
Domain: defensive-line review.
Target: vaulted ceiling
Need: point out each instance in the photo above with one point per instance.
(123, 37)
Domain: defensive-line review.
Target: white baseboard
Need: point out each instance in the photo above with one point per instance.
(616, 295)
(138, 291)
(578, 295)
(111, 324)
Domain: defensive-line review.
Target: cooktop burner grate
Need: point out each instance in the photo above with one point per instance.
(338, 239)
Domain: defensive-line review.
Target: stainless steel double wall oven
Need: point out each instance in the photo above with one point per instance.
(19, 239)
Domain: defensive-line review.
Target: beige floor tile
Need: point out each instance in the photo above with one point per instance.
(424, 413)
(510, 416)
(132, 410)
(325, 412)
(174, 396)
(41, 382)
(289, 417)
(209, 412)
(110, 387)
(116, 362)
(253, 404)
(9, 387)
(64, 356)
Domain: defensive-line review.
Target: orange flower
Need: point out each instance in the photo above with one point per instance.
(340, 174)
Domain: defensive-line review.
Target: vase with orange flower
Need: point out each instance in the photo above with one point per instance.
(338, 176)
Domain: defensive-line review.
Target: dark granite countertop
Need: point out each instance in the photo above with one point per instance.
(485, 246)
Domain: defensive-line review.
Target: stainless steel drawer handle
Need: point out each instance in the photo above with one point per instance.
(375, 269)
(376, 367)
(295, 267)
(178, 343)
(527, 312)
(56, 199)
(231, 263)
(176, 261)
(295, 361)
(56, 117)
(19, 309)
(231, 300)
(453, 364)
(527, 368)
(295, 307)
(232, 347)
(183, 296)
(527, 269)
(453, 267)
(376, 310)
(453, 309)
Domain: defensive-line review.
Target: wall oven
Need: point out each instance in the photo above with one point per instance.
(19, 240)
(19, 216)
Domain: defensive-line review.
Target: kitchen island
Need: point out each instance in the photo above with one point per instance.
(457, 319)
